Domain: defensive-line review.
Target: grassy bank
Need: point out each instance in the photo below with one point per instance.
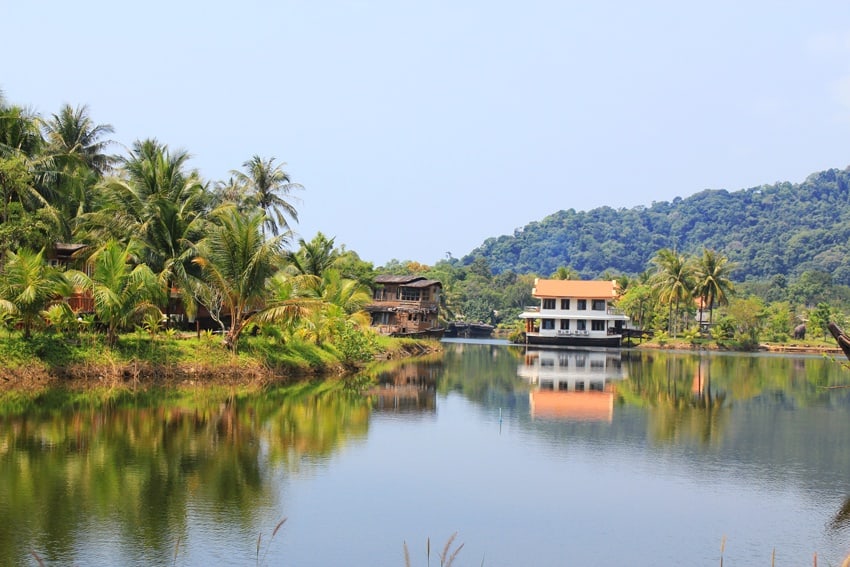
(139, 360)
(812, 346)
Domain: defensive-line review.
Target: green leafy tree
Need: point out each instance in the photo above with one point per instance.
(747, 316)
(779, 322)
(349, 263)
(637, 303)
(819, 317)
(28, 286)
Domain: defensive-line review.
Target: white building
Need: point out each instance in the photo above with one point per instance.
(574, 313)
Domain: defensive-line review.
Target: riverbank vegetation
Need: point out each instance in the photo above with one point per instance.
(151, 249)
(113, 261)
(681, 299)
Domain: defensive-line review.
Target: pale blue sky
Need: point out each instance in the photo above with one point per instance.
(421, 128)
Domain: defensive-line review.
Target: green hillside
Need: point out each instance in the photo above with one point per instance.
(782, 229)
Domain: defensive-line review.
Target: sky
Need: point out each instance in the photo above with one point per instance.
(420, 129)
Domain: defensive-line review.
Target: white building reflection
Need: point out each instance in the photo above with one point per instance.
(572, 384)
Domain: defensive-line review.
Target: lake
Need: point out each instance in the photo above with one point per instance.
(538, 457)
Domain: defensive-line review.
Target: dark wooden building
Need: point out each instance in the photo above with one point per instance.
(406, 305)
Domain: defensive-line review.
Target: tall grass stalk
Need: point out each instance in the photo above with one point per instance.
(447, 556)
(262, 561)
(176, 549)
(445, 559)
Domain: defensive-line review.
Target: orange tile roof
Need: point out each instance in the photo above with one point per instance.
(588, 289)
(582, 406)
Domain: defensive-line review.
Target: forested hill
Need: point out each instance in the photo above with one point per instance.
(773, 229)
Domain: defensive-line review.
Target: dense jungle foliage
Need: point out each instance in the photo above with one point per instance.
(783, 229)
(154, 245)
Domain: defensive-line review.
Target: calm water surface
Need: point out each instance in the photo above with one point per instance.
(543, 458)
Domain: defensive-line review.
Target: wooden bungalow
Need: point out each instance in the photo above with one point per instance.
(406, 306)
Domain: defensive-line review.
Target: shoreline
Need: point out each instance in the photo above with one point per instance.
(763, 347)
(139, 376)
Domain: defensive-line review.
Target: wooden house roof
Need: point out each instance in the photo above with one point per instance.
(588, 289)
(409, 281)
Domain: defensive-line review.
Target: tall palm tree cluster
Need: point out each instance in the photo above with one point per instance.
(678, 283)
(158, 237)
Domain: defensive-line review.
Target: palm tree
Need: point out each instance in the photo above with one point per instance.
(77, 162)
(19, 131)
(237, 261)
(314, 257)
(268, 186)
(122, 292)
(20, 145)
(230, 192)
(28, 286)
(159, 207)
(712, 284)
(331, 301)
(673, 282)
(565, 273)
(75, 139)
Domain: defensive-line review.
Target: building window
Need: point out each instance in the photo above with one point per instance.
(408, 294)
(426, 294)
(597, 325)
(582, 304)
(579, 385)
(565, 304)
(581, 325)
(548, 324)
(565, 324)
(598, 305)
(548, 304)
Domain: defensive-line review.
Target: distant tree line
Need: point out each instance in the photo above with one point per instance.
(783, 230)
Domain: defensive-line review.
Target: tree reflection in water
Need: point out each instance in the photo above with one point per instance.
(136, 464)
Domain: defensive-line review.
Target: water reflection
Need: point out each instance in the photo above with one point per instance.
(136, 467)
(408, 387)
(572, 384)
(753, 447)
